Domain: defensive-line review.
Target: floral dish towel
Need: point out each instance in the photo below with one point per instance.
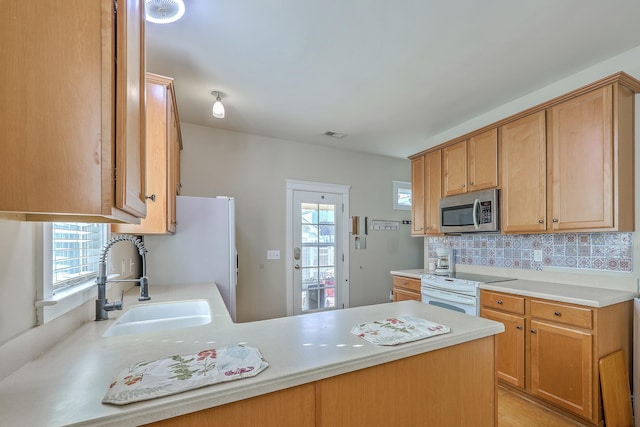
(148, 380)
(398, 330)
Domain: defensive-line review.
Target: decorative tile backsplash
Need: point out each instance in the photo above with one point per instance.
(591, 251)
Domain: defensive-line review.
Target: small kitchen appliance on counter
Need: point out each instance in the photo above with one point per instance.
(444, 262)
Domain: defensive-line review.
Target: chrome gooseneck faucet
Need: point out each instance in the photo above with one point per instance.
(102, 305)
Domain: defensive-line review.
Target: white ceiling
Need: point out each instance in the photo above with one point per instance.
(387, 73)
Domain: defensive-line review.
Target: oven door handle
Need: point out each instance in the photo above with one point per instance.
(449, 296)
(476, 208)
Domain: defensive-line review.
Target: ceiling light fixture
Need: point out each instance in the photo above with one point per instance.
(163, 11)
(218, 108)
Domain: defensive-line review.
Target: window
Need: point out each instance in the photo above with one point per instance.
(401, 195)
(70, 253)
(75, 252)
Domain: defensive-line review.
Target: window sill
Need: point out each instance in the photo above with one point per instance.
(66, 300)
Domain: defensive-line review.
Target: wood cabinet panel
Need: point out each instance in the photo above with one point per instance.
(162, 152)
(524, 174)
(510, 347)
(291, 407)
(504, 302)
(62, 164)
(406, 288)
(423, 390)
(483, 161)
(454, 169)
(582, 170)
(406, 283)
(417, 196)
(130, 109)
(432, 191)
(562, 366)
(562, 313)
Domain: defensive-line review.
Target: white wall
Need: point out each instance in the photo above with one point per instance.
(253, 169)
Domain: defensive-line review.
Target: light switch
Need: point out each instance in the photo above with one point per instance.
(273, 254)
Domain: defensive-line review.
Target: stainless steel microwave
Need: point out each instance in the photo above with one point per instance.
(476, 212)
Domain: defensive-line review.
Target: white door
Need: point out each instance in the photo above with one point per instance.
(317, 251)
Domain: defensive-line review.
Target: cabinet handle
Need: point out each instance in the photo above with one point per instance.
(499, 301)
(557, 313)
(541, 221)
(555, 219)
(533, 331)
(471, 183)
(462, 186)
(519, 327)
(152, 197)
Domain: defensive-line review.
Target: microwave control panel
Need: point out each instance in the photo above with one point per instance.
(485, 213)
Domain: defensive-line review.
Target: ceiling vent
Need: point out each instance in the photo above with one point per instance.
(332, 134)
(163, 11)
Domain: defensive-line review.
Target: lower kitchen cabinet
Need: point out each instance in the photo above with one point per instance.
(405, 288)
(421, 390)
(550, 350)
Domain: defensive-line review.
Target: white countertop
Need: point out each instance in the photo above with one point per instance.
(65, 386)
(584, 295)
(573, 294)
(414, 274)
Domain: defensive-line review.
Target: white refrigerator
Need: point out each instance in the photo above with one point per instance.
(203, 249)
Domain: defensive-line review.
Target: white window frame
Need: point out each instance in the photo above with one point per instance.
(397, 186)
(50, 305)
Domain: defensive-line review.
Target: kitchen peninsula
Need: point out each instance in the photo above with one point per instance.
(319, 373)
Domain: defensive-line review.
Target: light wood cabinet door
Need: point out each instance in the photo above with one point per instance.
(510, 345)
(562, 366)
(130, 109)
(433, 191)
(483, 161)
(524, 174)
(162, 153)
(582, 173)
(417, 196)
(70, 115)
(454, 169)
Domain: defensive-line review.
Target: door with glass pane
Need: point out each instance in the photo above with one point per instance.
(317, 252)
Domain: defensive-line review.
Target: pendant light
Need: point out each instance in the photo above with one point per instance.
(218, 107)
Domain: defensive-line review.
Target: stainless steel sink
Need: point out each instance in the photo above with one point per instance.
(161, 317)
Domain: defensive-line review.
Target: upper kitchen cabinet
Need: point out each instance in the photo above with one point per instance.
(590, 144)
(163, 146)
(425, 193)
(72, 114)
(417, 196)
(523, 155)
(471, 165)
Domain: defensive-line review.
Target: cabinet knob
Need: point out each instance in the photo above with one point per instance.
(533, 331)
(151, 197)
(555, 219)
(471, 183)
(519, 327)
(462, 186)
(499, 301)
(557, 313)
(541, 221)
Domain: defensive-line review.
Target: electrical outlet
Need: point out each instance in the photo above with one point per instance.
(273, 254)
(537, 255)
